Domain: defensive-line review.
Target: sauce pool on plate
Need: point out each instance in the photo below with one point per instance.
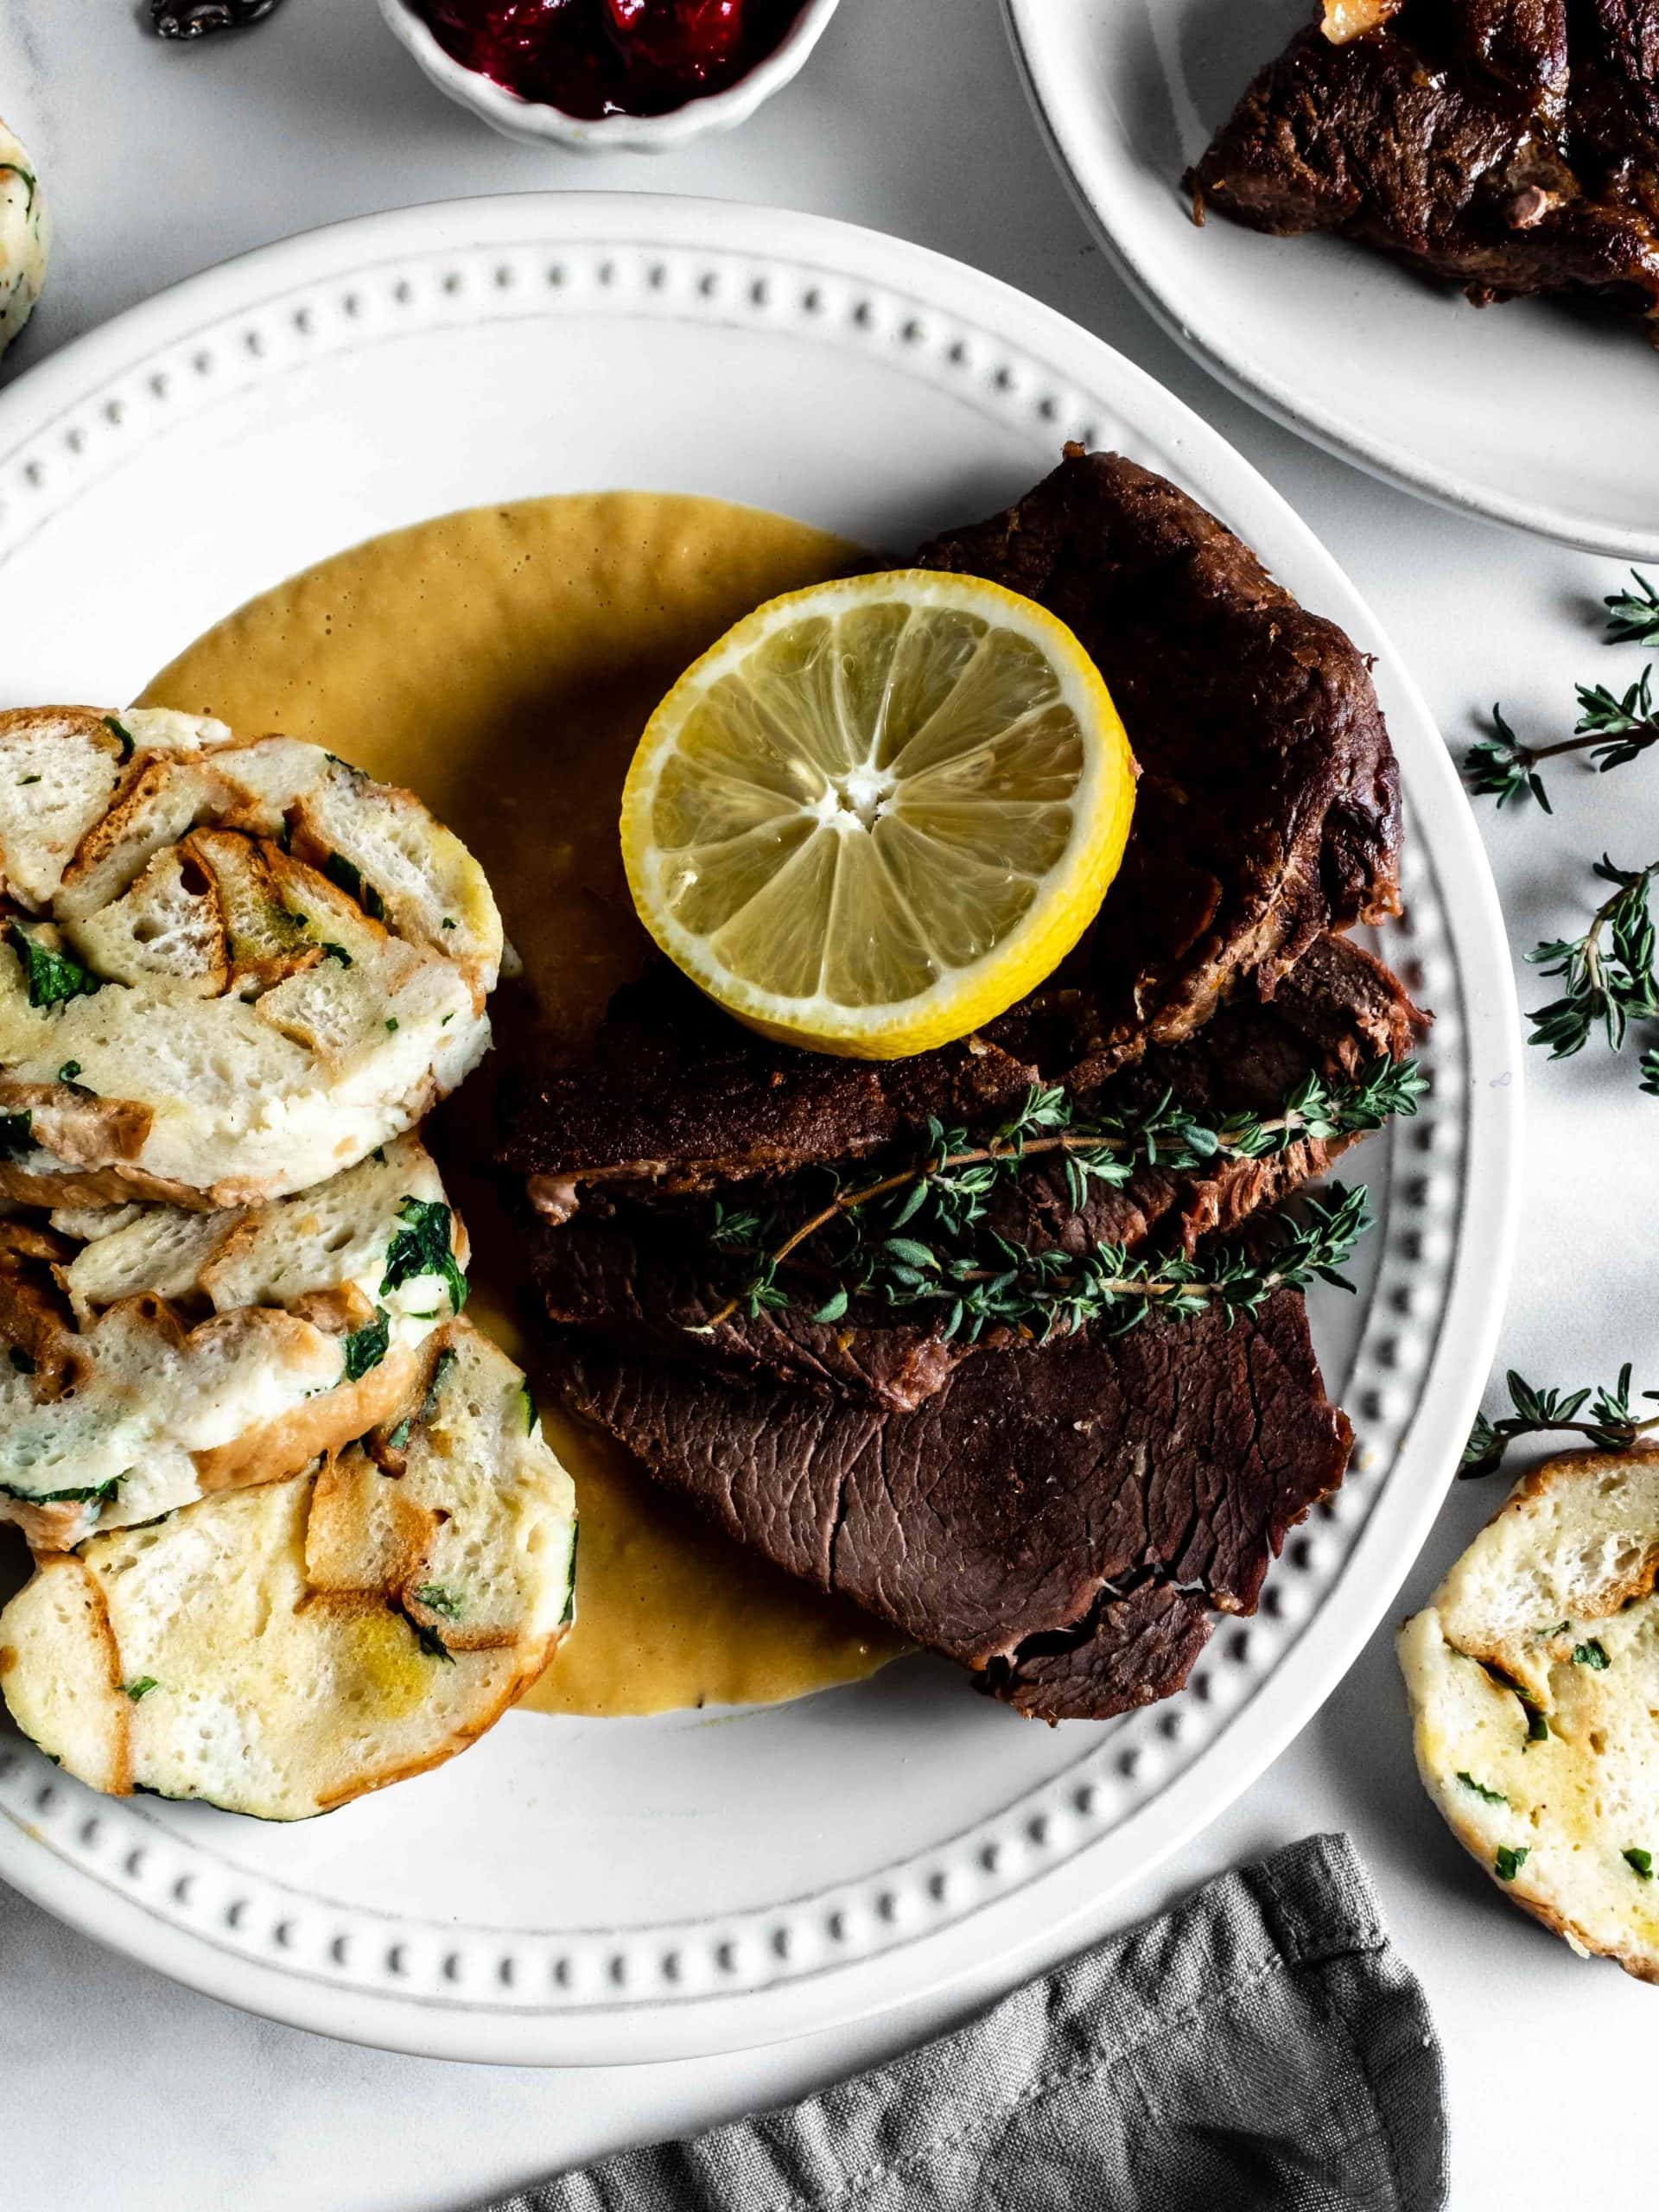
(502, 662)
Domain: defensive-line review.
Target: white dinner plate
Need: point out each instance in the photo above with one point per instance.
(1529, 413)
(588, 1891)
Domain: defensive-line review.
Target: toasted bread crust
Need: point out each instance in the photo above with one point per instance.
(320, 1426)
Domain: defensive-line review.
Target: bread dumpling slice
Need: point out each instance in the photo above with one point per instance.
(1532, 1675)
(229, 968)
(278, 1652)
(149, 1354)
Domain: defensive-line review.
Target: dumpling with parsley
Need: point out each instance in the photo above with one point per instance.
(229, 968)
(24, 236)
(150, 1354)
(1532, 1675)
(279, 1650)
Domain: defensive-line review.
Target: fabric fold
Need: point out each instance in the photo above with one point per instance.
(1261, 2045)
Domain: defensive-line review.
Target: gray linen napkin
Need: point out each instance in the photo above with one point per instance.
(1260, 2046)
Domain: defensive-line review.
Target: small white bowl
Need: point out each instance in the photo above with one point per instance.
(536, 120)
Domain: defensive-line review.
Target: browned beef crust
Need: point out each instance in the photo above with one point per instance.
(1067, 1521)
(1511, 146)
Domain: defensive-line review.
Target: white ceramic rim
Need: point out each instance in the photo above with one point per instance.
(1473, 1257)
(1185, 317)
(518, 118)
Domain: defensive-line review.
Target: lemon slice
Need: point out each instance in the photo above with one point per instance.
(879, 811)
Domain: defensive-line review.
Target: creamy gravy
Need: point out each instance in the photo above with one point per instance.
(502, 662)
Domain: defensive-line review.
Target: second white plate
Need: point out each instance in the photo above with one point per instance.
(1526, 414)
(592, 1891)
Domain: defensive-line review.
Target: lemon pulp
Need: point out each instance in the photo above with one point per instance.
(880, 811)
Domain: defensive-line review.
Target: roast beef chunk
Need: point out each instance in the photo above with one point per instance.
(1341, 998)
(1268, 807)
(1026, 1518)
(1509, 145)
(678, 1096)
(1338, 1011)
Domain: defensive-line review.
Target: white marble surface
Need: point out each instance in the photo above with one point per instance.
(123, 2092)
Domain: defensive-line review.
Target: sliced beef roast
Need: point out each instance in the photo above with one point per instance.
(1268, 815)
(1511, 146)
(1066, 1519)
(643, 1275)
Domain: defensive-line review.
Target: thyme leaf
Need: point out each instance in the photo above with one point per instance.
(431, 1642)
(29, 181)
(1633, 616)
(365, 1348)
(993, 1283)
(1491, 1797)
(350, 879)
(422, 1247)
(1613, 728)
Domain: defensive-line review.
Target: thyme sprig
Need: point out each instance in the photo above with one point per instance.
(1612, 1426)
(1612, 728)
(1633, 616)
(918, 1234)
(1001, 1284)
(1608, 972)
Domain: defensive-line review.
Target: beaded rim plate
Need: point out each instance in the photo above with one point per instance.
(1341, 344)
(580, 1892)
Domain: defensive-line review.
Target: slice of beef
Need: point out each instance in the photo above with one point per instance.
(644, 1280)
(1268, 806)
(1510, 146)
(643, 1275)
(678, 1097)
(1065, 1521)
(1267, 813)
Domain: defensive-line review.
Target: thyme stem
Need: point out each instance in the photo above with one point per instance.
(1613, 1425)
(1648, 732)
(1072, 1141)
(955, 1177)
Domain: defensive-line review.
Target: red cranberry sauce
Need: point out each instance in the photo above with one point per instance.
(611, 57)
